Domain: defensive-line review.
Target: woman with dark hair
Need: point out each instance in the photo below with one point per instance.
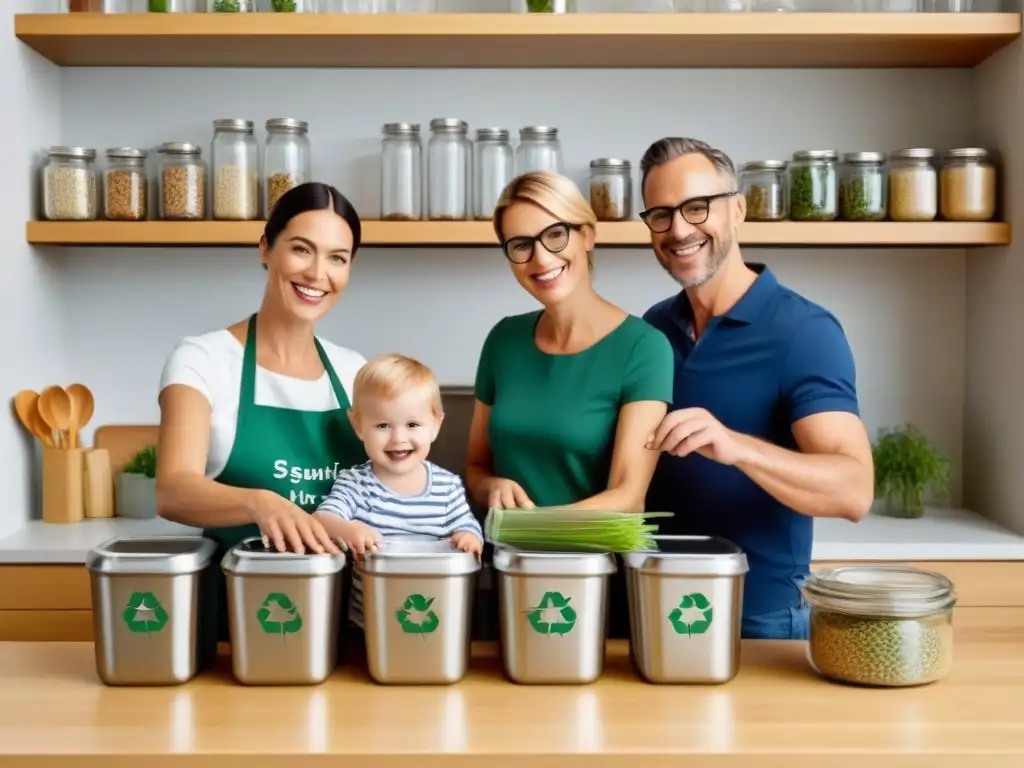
(253, 418)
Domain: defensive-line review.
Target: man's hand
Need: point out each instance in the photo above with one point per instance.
(694, 430)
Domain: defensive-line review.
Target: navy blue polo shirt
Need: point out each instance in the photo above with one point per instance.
(772, 359)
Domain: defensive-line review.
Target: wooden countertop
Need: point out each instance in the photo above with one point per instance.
(775, 714)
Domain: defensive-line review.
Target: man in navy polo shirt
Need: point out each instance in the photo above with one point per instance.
(764, 433)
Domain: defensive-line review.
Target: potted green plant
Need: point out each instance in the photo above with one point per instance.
(907, 467)
(136, 485)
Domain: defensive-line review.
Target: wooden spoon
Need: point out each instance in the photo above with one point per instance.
(82, 406)
(25, 405)
(55, 408)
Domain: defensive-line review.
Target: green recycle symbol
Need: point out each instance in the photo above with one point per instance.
(144, 614)
(415, 616)
(552, 615)
(693, 616)
(279, 615)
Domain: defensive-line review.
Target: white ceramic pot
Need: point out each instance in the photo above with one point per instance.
(136, 496)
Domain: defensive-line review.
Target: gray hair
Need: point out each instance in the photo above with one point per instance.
(672, 147)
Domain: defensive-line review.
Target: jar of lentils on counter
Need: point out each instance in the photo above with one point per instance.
(125, 184)
(968, 186)
(886, 626)
(763, 183)
(182, 181)
(913, 185)
(401, 169)
(236, 178)
(813, 185)
(286, 158)
(70, 191)
(862, 189)
(611, 189)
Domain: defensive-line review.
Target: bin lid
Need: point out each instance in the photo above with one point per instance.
(527, 563)
(251, 557)
(156, 554)
(689, 556)
(400, 556)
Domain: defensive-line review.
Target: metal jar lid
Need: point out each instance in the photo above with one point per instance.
(75, 153)
(234, 125)
(127, 153)
(401, 129)
(492, 134)
(884, 591)
(971, 153)
(912, 153)
(448, 125)
(286, 125)
(252, 558)
(151, 555)
(610, 162)
(864, 158)
(523, 563)
(179, 148)
(816, 155)
(418, 557)
(689, 556)
(538, 132)
(763, 165)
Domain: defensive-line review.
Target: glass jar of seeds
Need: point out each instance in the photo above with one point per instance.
(886, 626)
(913, 185)
(401, 169)
(449, 160)
(813, 192)
(862, 188)
(539, 149)
(968, 185)
(611, 189)
(236, 178)
(493, 166)
(70, 191)
(182, 181)
(764, 185)
(125, 184)
(286, 158)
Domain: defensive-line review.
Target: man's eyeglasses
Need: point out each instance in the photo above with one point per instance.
(554, 238)
(694, 211)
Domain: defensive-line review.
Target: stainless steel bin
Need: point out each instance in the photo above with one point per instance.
(685, 609)
(145, 595)
(284, 614)
(553, 608)
(417, 611)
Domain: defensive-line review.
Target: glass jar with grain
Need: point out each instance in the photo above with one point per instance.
(493, 168)
(70, 189)
(449, 161)
(286, 158)
(182, 181)
(236, 177)
(401, 169)
(813, 185)
(862, 188)
(913, 185)
(125, 184)
(968, 185)
(539, 149)
(884, 625)
(611, 189)
(763, 183)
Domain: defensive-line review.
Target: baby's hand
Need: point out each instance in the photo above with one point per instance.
(360, 538)
(465, 541)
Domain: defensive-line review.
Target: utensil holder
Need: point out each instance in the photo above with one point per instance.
(99, 484)
(63, 485)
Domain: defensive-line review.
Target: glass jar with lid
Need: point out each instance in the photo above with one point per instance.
(913, 185)
(174, 6)
(231, 6)
(880, 625)
(494, 165)
(611, 189)
(813, 192)
(70, 191)
(763, 183)
(542, 6)
(296, 6)
(449, 160)
(182, 181)
(967, 185)
(286, 158)
(863, 192)
(236, 178)
(773, 6)
(539, 149)
(125, 184)
(401, 168)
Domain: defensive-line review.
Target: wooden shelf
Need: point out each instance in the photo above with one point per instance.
(480, 233)
(734, 40)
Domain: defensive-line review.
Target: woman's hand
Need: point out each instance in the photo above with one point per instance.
(286, 525)
(503, 493)
(467, 541)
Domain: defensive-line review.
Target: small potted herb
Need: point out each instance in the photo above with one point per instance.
(907, 467)
(136, 485)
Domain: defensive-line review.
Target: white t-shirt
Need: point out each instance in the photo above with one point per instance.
(212, 364)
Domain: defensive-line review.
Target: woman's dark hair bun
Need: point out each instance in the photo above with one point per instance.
(312, 196)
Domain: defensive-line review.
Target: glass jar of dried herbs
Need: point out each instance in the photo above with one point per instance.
(764, 185)
(863, 188)
(813, 192)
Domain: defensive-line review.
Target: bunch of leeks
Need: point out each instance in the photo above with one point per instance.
(550, 529)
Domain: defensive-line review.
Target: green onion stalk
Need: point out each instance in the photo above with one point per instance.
(551, 529)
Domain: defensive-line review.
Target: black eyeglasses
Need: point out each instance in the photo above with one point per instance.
(694, 211)
(554, 238)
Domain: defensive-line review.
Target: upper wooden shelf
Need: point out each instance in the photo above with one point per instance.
(480, 233)
(519, 40)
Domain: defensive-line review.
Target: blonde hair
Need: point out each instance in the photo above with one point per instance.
(553, 192)
(389, 376)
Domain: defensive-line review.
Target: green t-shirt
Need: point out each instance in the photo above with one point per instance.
(553, 417)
